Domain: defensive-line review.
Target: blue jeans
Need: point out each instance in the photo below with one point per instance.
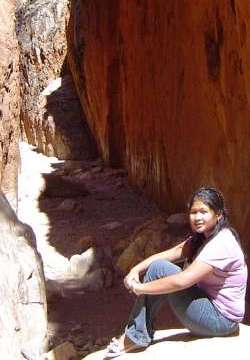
(191, 306)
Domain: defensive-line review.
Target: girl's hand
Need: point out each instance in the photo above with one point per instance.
(132, 275)
(137, 287)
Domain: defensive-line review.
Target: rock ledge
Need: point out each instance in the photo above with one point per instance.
(182, 345)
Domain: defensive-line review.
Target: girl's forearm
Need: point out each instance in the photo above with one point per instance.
(176, 282)
(165, 285)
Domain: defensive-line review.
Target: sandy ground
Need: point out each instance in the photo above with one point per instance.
(108, 215)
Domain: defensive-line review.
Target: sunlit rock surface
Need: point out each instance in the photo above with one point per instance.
(165, 88)
(9, 101)
(179, 344)
(51, 115)
(23, 316)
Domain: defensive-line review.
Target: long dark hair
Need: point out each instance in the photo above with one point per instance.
(214, 200)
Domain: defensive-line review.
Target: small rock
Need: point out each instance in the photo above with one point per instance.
(84, 175)
(72, 165)
(78, 340)
(97, 162)
(108, 278)
(119, 184)
(120, 246)
(118, 172)
(65, 351)
(77, 172)
(86, 242)
(83, 353)
(67, 205)
(63, 186)
(87, 346)
(80, 264)
(77, 327)
(111, 225)
(96, 170)
(95, 280)
(101, 341)
(95, 348)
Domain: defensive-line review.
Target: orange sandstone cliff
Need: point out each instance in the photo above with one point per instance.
(165, 86)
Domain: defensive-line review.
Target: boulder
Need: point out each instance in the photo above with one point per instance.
(81, 264)
(152, 237)
(23, 316)
(90, 269)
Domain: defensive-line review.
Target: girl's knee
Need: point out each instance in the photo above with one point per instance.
(164, 265)
(161, 268)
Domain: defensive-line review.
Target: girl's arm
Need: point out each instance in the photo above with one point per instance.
(183, 280)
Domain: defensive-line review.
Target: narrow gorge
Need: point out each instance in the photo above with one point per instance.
(137, 104)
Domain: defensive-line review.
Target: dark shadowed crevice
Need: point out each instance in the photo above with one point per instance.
(64, 108)
(213, 44)
(116, 134)
(232, 3)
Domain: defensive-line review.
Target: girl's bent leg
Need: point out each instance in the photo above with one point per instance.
(139, 328)
(197, 313)
(191, 306)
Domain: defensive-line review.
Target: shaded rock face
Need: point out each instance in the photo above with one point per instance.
(51, 115)
(9, 101)
(23, 316)
(165, 88)
(65, 133)
(154, 236)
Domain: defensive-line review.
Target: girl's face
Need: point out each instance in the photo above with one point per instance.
(202, 218)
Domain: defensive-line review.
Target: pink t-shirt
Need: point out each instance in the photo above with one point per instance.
(226, 286)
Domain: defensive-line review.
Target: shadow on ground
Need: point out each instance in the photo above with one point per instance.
(104, 216)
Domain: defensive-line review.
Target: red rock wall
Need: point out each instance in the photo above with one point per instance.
(51, 115)
(9, 101)
(165, 86)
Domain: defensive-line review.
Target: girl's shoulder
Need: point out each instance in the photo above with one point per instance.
(226, 241)
(225, 234)
(223, 250)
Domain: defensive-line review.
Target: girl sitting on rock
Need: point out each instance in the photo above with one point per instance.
(207, 295)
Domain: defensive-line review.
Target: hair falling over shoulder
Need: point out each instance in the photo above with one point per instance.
(214, 199)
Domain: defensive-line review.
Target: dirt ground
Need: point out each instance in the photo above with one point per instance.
(106, 216)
